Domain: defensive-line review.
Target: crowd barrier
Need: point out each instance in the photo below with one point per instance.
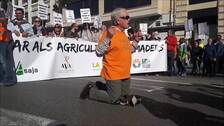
(43, 58)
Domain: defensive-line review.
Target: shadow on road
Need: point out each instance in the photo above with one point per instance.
(196, 97)
(184, 116)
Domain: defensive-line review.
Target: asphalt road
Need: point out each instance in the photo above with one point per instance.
(167, 101)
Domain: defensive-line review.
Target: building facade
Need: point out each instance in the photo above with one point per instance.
(158, 14)
(210, 12)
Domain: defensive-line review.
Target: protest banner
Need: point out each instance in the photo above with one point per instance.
(85, 15)
(43, 58)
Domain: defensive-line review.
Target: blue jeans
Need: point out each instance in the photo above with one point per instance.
(7, 73)
(181, 66)
(3, 61)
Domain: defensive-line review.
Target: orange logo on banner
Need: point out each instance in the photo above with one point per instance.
(3, 34)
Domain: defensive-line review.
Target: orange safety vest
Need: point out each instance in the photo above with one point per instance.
(4, 37)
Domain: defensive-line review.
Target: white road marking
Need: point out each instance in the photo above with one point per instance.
(147, 90)
(218, 86)
(161, 81)
(9, 117)
(145, 86)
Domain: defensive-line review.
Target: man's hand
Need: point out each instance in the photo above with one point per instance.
(73, 30)
(16, 33)
(24, 34)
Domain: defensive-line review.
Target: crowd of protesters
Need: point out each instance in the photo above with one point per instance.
(185, 56)
(21, 27)
(206, 60)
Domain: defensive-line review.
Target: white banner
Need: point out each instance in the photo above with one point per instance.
(42, 58)
(97, 22)
(188, 25)
(203, 28)
(85, 15)
(42, 10)
(144, 28)
(151, 56)
(68, 16)
(57, 18)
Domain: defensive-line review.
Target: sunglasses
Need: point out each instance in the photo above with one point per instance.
(57, 27)
(36, 21)
(125, 18)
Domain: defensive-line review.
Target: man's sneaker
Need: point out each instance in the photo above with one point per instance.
(134, 100)
(85, 91)
(123, 101)
(130, 100)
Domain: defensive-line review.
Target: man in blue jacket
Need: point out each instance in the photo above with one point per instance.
(219, 55)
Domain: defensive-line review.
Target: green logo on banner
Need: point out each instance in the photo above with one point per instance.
(19, 69)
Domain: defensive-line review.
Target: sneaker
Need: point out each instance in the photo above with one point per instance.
(85, 91)
(121, 101)
(130, 100)
(134, 100)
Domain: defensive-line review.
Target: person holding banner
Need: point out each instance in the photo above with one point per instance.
(57, 31)
(85, 33)
(7, 73)
(73, 31)
(38, 29)
(19, 26)
(116, 50)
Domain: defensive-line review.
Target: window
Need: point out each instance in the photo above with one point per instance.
(34, 1)
(109, 5)
(157, 23)
(24, 2)
(16, 2)
(76, 6)
(199, 1)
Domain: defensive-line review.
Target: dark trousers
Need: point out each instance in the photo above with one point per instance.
(181, 66)
(196, 66)
(208, 67)
(111, 91)
(170, 63)
(7, 65)
(219, 64)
